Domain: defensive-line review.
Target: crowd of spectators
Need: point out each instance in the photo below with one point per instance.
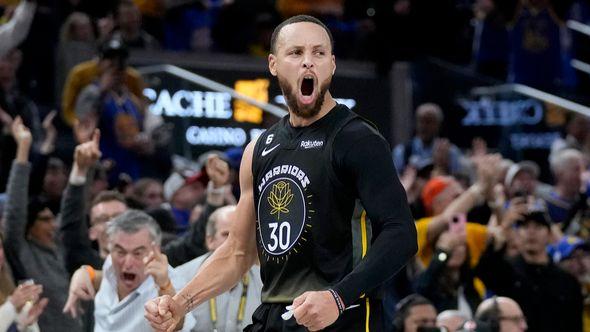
(521, 41)
(90, 232)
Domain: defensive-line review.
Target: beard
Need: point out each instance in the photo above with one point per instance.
(307, 111)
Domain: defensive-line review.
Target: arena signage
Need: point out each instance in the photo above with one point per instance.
(203, 118)
(185, 103)
(489, 112)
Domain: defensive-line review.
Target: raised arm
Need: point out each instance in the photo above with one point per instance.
(17, 189)
(74, 230)
(476, 194)
(13, 32)
(192, 244)
(223, 269)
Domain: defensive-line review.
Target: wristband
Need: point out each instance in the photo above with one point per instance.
(167, 286)
(338, 300)
(91, 272)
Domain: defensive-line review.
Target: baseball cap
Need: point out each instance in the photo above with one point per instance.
(523, 166)
(200, 176)
(565, 247)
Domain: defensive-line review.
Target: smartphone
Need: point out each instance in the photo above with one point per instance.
(457, 223)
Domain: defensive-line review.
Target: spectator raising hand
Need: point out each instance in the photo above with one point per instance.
(156, 265)
(517, 210)
(219, 188)
(217, 170)
(24, 139)
(84, 128)
(48, 144)
(31, 233)
(440, 156)
(86, 155)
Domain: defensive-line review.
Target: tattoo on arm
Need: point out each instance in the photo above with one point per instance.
(190, 303)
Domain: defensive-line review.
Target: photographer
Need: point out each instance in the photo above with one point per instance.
(109, 104)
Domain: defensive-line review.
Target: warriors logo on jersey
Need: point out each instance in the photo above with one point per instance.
(283, 211)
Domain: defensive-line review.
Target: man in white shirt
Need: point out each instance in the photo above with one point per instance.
(135, 271)
(232, 310)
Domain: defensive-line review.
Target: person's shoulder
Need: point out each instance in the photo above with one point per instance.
(355, 123)
(85, 67)
(133, 73)
(357, 129)
(472, 227)
(565, 277)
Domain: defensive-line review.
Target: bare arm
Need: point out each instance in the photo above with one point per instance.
(474, 195)
(223, 269)
(228, 263)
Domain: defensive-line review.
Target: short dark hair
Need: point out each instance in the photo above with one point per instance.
(107, 196)
(34, 207)
(403, 309)
(298, 19)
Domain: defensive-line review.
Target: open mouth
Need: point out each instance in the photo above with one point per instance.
(129, 277)
(307, 85)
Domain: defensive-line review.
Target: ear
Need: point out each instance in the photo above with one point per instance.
(272, 64)
(208, 242)
(92, 234)
(333, 65)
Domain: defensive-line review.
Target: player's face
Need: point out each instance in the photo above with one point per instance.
(304, 65)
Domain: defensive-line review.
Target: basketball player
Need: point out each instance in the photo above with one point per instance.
(298, 213)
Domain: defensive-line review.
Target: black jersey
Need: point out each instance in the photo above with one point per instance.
(304, 212)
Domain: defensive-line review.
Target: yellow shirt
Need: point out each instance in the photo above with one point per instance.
(85, 73)
(586, 319)
(477, 236)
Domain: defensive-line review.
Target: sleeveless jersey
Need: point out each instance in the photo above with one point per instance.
(308, 232)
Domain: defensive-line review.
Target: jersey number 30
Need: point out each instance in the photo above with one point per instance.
(281, 239)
